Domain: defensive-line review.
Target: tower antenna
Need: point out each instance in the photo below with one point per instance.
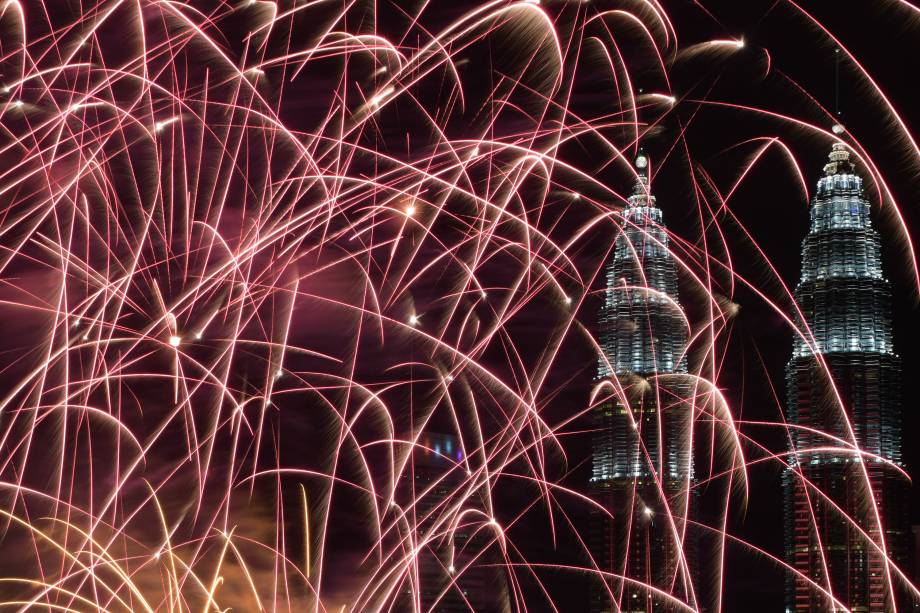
(837, 82)
(837, 128)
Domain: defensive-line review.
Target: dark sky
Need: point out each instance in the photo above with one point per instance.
(770, 204)
(886, 43)
(786, 66)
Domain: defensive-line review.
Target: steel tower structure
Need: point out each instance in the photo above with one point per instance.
(845, 507)
(641, 459)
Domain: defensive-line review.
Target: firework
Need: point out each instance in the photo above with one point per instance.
(299, 297)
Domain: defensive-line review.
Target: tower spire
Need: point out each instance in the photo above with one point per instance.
(838, 127)
(837, 82)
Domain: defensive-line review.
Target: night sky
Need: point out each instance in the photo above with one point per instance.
(771, 205)
(254, 253)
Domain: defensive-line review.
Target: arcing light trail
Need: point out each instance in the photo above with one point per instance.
(256, 256)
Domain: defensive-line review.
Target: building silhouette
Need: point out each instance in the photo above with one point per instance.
(458, 570)
(641, 459)
(844, 507)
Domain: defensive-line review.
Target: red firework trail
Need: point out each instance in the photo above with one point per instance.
(293, 292)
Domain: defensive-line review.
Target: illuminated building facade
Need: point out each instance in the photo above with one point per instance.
(457, 570)
(641, 458)
(845, 302)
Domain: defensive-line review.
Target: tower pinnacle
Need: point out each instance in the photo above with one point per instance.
(839, 160)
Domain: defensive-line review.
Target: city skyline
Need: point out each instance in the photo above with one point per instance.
(506, 306)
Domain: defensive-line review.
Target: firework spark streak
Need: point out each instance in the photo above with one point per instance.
(265, 264)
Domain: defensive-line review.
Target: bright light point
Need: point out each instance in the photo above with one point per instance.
(449, 378)
(413, 320)
(86, 337)
(665, 97)
(18, 103)
(410, 210)
(377, 99)
(568, 300)
(156, 555)
(80, 105)
(732, 309)
(494, 522)
(576, 195)
(641, 162)
(475, 151)
(647, 511)
(174, 340)
(158, 126)
(6, 89)
(483, 294)
(198, 336)
(256, 71)
(838, 129)
(278, 374)
(451, 569)
(738, 44)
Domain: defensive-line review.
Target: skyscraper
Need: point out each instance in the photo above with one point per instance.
(843, 384)
(642, 467)
(458, 570)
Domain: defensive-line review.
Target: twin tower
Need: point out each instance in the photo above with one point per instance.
(845, 504)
